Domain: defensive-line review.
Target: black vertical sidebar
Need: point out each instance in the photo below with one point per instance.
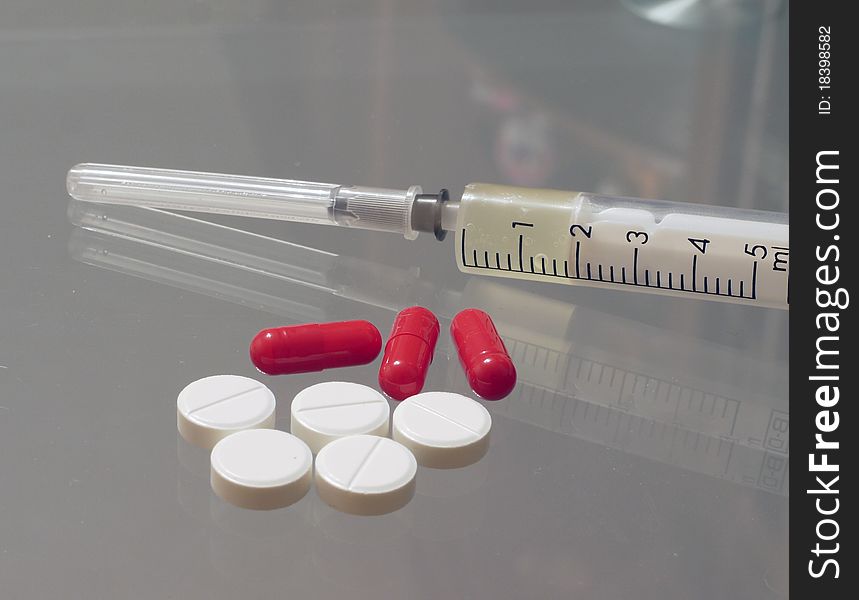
(822, 333)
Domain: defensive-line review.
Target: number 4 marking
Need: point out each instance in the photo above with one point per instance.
(700, 244)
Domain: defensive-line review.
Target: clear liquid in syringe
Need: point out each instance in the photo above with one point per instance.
(574, 238)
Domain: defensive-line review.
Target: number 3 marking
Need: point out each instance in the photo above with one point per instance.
(630, 235)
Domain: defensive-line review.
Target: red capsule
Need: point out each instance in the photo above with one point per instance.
(315, 347)
(408, 353)
(487, 364)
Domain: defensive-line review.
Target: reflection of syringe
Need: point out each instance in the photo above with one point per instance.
(652, 246)
(147, 237)
(570, 380)
(673, 406)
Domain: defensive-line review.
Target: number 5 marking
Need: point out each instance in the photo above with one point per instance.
(753, 251)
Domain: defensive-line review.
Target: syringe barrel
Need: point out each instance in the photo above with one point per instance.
(378, 209)
(574, 238)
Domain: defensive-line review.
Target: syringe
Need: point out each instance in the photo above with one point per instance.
(575, 238)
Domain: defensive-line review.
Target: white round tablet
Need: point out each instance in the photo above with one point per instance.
(365, 475)
(442, 429)
(327, 411)
(212, 408)
(261, 469)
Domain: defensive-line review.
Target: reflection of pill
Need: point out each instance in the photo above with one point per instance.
(484, 358)
(212, 408)
(408, 353)
(334, 409)
(261, 469)
(442, 429)
(365, 475)
(315, 347)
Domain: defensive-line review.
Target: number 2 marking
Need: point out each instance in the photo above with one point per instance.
(586, 231)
